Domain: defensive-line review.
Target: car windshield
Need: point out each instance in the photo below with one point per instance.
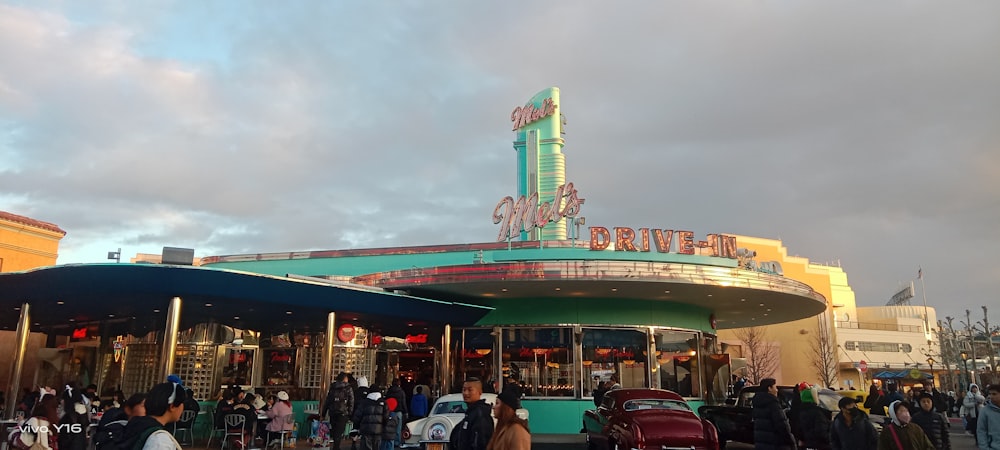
(655, 403)
(449, 408)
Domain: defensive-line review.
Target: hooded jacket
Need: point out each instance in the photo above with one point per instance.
(345, 407)
(973, 401)
(860, 435)
(911, 437)
(988, 428)
(475, 430)
(371, 415)
(770, 426)
(135, 429)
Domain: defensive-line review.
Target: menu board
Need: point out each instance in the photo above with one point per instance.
(279, 366)
(237, 367)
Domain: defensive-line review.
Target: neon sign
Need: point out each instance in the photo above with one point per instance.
(416, 339)
(526, 214)
(524, 115)
(719, 245)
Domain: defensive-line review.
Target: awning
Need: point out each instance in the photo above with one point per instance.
(134, 297)
(913, 374)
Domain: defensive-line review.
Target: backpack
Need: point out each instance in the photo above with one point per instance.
(133, 443)
(108, 433)
(337, 400)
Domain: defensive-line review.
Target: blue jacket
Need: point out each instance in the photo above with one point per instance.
(988, 429)
(418, 405)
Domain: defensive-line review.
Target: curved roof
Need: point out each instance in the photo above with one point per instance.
(134, 298)
(738, 297)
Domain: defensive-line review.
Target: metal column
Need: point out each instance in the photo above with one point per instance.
(652, 361)
(169, 350)
(14, 384)
(326, 376)
(446, 361)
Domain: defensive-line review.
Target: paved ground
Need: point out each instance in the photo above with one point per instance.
(960, 440)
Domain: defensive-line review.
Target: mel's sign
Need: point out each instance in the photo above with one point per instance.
(524, 115)
(526, 213)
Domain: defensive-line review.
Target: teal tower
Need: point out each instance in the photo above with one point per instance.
(541, 165)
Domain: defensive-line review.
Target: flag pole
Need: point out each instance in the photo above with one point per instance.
(927, 328)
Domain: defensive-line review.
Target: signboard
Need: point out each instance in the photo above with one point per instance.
(346, 332)
(416, 339)
(526, 214)
(665, 241)
(902, 297)
(280, 365)
(863, 365)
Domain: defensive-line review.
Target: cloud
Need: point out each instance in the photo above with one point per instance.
(855, 132)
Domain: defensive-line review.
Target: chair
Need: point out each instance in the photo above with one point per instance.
(288, 419)
(235, 421)
(215, 428)
(187, 421)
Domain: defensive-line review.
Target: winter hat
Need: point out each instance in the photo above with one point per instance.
(510, 398)
(282, 395)
(924, 395)
(362, 381)
(374, 395)
(391, 403)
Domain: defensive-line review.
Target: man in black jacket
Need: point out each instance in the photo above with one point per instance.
(476, 429)
(396, 392)
(339, 405)
(852, 430)
(370, 417)
(934, 424)
(771, 430)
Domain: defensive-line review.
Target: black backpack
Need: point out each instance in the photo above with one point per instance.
(133, 443)
(337, 400)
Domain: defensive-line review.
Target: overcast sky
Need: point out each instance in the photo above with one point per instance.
(860, 133)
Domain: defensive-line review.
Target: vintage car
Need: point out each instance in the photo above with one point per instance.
(434, 431)
(646, 419)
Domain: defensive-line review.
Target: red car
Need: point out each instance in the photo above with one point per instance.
(647, 419)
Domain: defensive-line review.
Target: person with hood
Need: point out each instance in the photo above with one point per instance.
(934, 424)
(164, 405)
(812, 422)
(361, 391)
(892, 395)
(339, 406)
(851, 429)
(418, 404)
(396, 391)
(988, 426)
(900, 434)
(771, 430)
(370, 417)
(973, 403)
(476, 428)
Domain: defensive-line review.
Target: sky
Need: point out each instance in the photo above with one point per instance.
(861, 134)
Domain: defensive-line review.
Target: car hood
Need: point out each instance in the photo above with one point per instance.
(680, 428)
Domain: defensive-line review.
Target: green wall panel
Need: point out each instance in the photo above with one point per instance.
(596, 311)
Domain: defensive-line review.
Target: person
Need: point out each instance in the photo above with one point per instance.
(244, 407)
(164, 405)
(277, 413)
(899, 434)
(396, 391)
(940, 402)
(418, 404)
(370, 417)
(111, 428)
(891, 396)
(474, 431)
(599, 391)
(851, 429)
(615, 382)
(973, 403)
(390, 432)
(339, 405)
(874, 401)
(74, 422)
(42, 421)
(952, 410)
(813, 422)
(224, 407)
(934, 424)
(988, 426)
(771, 430)
(511, 432)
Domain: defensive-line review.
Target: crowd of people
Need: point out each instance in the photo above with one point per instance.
(917, 422)
(378, 417)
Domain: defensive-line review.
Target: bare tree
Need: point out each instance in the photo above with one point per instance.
(762, 354)
(822, 357)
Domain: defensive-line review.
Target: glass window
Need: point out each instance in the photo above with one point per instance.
(614, 352)
(473, 356)
(541, 359)
(677, 355)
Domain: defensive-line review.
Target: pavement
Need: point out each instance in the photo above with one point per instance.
(960, 440)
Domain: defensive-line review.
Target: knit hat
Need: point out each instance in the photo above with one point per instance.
(510, 398)
(362, 381)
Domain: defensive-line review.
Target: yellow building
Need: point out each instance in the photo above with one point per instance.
(884, 337)
(26, 243)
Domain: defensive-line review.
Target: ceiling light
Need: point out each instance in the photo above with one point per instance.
(709, 295)
(156, 310)
(111, 315)
(743, 299)
(761, 304)
(503, 290)
(208, 305)
(72, 320)
(288, 312)
(236, 317)
(614, 289)
(558, 289)
(60, 302)
(666, 292)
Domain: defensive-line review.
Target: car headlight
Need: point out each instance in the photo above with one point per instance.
(437, 432)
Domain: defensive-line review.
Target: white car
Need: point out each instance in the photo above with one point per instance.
(434, 431)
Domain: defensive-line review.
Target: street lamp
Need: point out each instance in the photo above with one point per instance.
(930, 362)
(965, 363)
